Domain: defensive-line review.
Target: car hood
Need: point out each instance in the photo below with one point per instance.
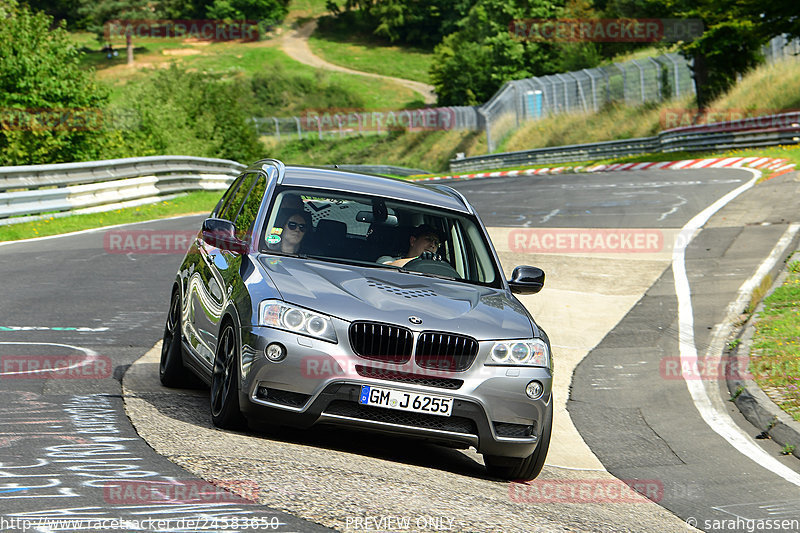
(382, 295)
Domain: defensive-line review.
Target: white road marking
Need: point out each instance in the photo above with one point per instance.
(91, 356)
(681, 201)
(717, 419)
(79, 329)
(550, 215)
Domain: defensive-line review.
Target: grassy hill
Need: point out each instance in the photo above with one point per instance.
(295, 87)
(767, 89)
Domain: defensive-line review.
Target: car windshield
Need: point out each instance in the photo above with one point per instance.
(378, 233)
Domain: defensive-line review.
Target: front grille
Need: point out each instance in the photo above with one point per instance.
(381, 342)
(453, 424)
(504, 429)
(403, 377)
(444, 351)
(283, 397)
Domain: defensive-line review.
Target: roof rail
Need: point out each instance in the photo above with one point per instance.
(274, 168)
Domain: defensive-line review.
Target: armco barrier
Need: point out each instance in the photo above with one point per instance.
(770, 130)
(103, 185)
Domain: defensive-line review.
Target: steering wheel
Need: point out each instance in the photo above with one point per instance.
(432, 266)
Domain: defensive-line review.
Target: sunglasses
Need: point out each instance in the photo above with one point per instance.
(296, 225)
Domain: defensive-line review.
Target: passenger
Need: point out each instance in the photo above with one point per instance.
(288, 236)
(424, 240)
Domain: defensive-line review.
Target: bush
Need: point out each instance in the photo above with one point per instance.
(177, 112)
(50, 109)
(278, 92)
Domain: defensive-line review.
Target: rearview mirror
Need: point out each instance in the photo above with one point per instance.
(221, 234)
(369, 218)
(526, 280)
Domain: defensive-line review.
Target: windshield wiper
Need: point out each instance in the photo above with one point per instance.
(354, 262)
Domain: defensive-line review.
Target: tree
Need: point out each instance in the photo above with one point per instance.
(50, 108)
(262, 10)
(100, 13)
(730, 44)
(66, 10)
(776, 17)
(411, 22)
(472, 63)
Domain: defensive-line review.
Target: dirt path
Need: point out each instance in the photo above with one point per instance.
(295, 44)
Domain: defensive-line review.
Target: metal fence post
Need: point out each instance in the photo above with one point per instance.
(488, 128)
(659, 93)
(641, 79)
(299, 129)
(676, 75)
(564, 84)
(594, 88)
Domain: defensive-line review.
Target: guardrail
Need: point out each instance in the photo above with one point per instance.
(106, 185)
(768, 130)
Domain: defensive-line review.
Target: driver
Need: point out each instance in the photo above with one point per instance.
(424, 240)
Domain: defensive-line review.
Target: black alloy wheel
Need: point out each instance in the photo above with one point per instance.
(225, 411)
(171, 371)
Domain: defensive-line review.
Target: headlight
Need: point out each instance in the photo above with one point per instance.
(525, 352)
(284, 316)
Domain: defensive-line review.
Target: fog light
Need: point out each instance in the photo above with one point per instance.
(275, 352)
(534, 390)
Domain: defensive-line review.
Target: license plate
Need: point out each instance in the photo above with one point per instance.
(405, 401)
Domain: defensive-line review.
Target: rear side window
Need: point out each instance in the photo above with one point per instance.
(227, 196)
(235, 202)
(249, 212)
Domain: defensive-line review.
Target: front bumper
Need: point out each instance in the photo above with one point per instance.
(320, 382)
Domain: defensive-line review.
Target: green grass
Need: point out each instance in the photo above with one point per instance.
(229, 58)
(775, 352)
(363, 52)
(307, 9)
(243, 60)
(429, 150)
(194, 202)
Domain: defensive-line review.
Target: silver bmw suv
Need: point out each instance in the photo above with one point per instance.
(317, 296)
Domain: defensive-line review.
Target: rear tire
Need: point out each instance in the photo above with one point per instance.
(526, 468)
(171, 371)
(225, 411)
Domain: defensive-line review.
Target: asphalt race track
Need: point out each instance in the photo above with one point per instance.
(610, 305)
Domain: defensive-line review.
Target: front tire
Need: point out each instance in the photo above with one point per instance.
(171, 371)
(526, 468)
(225, 411)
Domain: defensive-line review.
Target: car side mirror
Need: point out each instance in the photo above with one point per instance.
(526, 280)
(221, 234)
